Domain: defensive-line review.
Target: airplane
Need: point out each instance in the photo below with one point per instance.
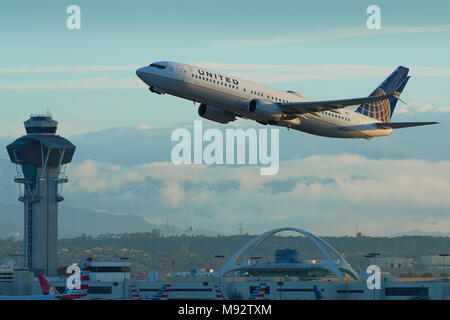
(220, 295)
(49, 292)
(224, 97)
(259, 292)
(162, 294)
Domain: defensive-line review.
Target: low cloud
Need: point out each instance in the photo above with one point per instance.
(327, 194)
(76, 84)
(420, 107)
(173, 193)
(66, 69)
(335, 34)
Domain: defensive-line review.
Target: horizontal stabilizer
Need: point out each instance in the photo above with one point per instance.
(399, 125)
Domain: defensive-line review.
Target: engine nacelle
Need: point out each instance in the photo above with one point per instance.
(215, 114)
(292, 122)
(264, 111)
(156, 90)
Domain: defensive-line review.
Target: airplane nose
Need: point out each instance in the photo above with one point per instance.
(140, 72)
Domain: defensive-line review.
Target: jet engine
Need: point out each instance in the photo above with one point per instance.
(156, 90)
(265, 112)
(215, 114)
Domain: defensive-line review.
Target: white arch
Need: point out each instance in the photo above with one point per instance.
(324, 247)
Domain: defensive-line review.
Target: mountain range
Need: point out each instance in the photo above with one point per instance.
(75, 222)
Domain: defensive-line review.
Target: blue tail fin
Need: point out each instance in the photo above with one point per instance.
(317, 293)
(383, 110)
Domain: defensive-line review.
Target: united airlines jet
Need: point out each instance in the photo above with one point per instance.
(223, 97)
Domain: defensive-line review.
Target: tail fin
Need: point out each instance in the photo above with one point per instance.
(259, 292)
(84, 280)
(135, 293)
(46, 286)
(163, 293)
(383, 110)
(317, 293)
(220, 295)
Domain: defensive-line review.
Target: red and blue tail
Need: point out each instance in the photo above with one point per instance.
(134, 293)
(77, 293)
(383, 110)
(163, 293)
(259, 292)
(84, 281)
(220, 295)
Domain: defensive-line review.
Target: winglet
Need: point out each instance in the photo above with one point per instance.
(398, 91)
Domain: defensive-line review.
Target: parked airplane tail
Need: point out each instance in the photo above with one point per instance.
(163, 293)
(259, 292)
(383, 110)
(220, 295)
(135, 294)
(317, 293)
(46, 286)
(84, 280)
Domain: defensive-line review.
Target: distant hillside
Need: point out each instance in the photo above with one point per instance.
(151, 252)
(418, 232)
(75, 222)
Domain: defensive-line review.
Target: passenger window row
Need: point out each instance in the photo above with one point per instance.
(336, 116)
(259, 94)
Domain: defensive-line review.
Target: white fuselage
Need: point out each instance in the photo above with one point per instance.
(234, 94)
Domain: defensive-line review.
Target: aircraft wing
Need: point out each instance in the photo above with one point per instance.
(399, 125)
(317, 106)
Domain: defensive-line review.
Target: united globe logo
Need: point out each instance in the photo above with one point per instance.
(380, 110)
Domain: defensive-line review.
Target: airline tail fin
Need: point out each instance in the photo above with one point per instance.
(220, 295)
(317, 293)
(259, 292)
(84, 280)
(394, 84)
(163, 293)
(134, 292)
(46, 286)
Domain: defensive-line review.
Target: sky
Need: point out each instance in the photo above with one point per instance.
(322, 49)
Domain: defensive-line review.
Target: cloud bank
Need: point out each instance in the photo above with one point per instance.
(327, 194)
(334, 34)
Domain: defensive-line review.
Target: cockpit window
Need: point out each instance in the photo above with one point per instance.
(155, 65)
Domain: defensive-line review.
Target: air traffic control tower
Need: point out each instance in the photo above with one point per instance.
(40, 157)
